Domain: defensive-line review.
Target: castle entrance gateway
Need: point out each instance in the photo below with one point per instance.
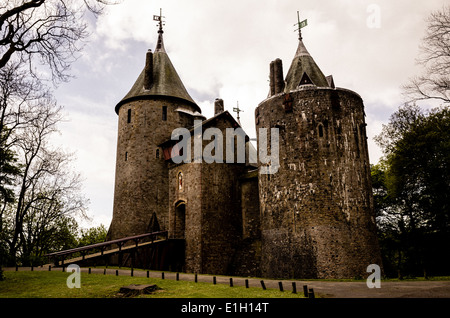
(179, 222)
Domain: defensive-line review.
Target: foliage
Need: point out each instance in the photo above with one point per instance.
(92, 235)
(412, 189)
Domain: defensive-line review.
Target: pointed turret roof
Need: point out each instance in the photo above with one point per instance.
(304, 70)
(164, 79)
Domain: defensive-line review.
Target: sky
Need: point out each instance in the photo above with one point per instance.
(222, 49)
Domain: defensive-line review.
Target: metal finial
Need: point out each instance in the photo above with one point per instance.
(300, 24)
(237, 110)
(159, 18)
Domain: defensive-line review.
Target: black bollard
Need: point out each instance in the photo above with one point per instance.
(305, 291)
(280, 284)
(294, 288)
(263, 285)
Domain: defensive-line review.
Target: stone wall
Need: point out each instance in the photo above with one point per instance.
(317, 216)
(248, 250)
(190, 195)
(213, 218)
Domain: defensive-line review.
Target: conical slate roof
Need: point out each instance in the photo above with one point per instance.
(304, 70)
(165, 80)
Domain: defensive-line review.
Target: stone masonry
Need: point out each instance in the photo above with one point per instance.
(313, 218)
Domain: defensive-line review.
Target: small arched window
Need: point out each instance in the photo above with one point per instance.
(320, 130)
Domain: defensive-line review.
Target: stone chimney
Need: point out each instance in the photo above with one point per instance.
(148, 73)
(272, 79)
(276, 77)
(218, 106)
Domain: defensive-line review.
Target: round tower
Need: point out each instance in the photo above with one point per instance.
(317, 218)
(157, 104)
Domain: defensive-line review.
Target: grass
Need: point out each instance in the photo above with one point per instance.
(44, 284)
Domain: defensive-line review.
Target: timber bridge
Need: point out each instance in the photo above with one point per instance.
(150, 250)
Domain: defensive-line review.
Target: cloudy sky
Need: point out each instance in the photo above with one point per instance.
(223, 48)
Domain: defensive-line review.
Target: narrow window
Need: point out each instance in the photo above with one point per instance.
(164, 113)
(320, 131)
(157, 153)
(129, 116)
(180, 181)
(126, 155)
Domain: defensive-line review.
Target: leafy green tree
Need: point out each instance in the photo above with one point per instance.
(412, 189)
(92, 235)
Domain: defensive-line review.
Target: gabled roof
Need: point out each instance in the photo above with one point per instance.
(165, 80)
(206, 124)
(304, 70)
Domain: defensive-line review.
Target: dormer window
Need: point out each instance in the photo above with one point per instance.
(305, 80)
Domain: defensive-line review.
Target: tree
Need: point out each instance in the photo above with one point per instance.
(92, 235)
(434, 83)
(47, 190)
(39, 39)
(414, 210)
(44, 32)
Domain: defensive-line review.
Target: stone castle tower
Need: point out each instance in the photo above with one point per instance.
(156, 104)
(317, 215)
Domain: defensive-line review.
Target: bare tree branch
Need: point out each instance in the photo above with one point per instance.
(45, 32)
(434, 83)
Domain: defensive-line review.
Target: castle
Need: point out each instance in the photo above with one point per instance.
(312, 218)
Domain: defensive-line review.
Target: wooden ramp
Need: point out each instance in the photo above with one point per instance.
(102, 250)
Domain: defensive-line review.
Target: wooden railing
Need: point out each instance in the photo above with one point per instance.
(106, 246)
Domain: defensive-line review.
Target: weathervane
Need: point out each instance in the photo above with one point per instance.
(301, 24)
(237, 110)
(159, 18)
